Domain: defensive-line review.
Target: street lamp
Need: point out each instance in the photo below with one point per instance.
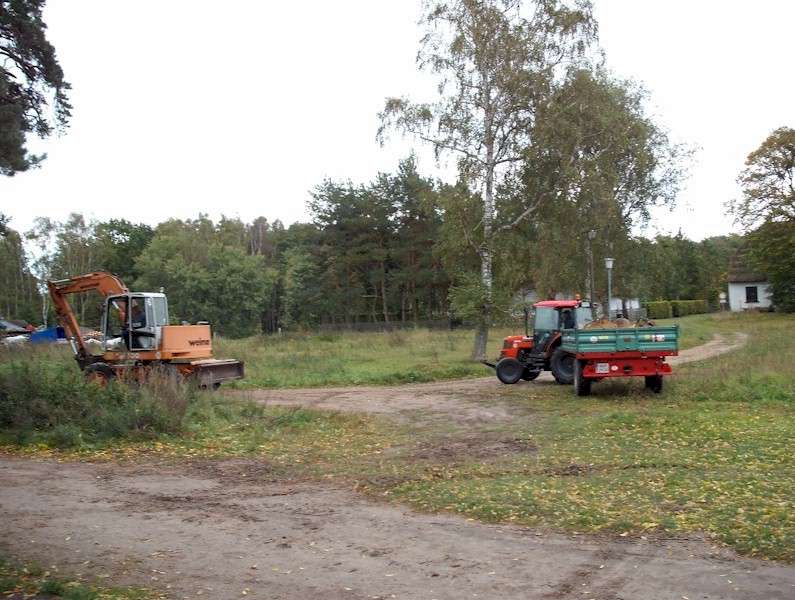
(591, 236)
(609, 267)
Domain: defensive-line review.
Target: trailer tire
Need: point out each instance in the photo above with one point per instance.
(654, 383)
(529, 374)
(582, 384)
(562, 366)
(509, 370)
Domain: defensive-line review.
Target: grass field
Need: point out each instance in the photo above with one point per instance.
(713, 453)
(350, 358)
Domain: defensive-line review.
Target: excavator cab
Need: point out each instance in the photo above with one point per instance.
(134, 321)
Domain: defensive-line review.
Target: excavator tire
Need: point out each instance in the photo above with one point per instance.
(100, 373)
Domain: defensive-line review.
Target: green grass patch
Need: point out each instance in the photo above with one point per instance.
(32, 581)
(351, 358)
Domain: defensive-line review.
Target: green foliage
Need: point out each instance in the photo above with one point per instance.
(44, 397)
(32, 84)
(683, 308)
(767, 209)
(660, 309)
(666, 309)
(206, 277)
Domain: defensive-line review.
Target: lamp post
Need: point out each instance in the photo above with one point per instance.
(609, 267)
(591, 236)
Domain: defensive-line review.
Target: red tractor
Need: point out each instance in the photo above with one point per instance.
(525, 356)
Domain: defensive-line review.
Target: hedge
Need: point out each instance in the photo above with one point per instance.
(666, 309)
(658, 310)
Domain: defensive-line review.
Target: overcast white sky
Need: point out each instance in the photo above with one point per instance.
(240, 108)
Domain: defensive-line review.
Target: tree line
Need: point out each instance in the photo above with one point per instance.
(388, 251)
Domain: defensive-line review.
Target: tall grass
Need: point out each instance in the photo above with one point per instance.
(45, 398)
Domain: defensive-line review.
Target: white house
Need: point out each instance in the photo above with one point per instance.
(748, 289)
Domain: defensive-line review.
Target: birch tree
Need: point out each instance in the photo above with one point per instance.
(496, 61)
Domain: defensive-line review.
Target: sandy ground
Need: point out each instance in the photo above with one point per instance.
(219, 529)
(231, 529)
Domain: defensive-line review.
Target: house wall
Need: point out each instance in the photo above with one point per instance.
(737, 296)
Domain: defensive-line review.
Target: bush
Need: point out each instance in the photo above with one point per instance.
(666, 309)
(44, 397)
(658, 310)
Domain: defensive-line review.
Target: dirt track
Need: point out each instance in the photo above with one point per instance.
(217, 529)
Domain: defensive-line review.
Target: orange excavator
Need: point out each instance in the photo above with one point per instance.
(137, 336)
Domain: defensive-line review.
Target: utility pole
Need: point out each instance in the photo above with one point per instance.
(591, 236)
(609, 267)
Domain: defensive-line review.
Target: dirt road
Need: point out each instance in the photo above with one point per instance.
(219, 529)
(480, 399)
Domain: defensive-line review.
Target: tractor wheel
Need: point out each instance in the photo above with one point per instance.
(529, 375)
(100, 373)
(509, 370)
(562, 365)
(654, 383)
(582, 385)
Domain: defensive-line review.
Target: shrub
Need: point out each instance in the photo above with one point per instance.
(666, 309)
(44, 397)
(658, 310)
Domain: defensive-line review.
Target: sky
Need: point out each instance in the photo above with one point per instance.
(241, 108)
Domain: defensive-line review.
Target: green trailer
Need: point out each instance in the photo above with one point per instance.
(620, 352)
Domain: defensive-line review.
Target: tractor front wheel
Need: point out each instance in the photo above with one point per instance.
(509, 370)
(562, 365)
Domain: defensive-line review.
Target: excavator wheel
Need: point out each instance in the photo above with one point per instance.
(100, 373)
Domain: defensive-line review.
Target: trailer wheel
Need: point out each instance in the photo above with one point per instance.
(582, 385)
(654, 383)
(509, 370)
(529, 375)
(562, 365)
(100, 373)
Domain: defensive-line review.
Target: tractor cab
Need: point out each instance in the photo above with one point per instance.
(134, 321)
(524, 357)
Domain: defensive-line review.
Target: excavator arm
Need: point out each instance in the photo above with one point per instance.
(104, 283)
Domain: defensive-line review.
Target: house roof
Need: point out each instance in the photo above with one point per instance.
(741, 269)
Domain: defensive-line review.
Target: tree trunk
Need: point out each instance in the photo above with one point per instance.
(486, 248)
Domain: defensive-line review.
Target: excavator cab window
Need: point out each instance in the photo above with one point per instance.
(115, 322)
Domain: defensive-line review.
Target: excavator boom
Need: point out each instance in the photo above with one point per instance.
(104, 283)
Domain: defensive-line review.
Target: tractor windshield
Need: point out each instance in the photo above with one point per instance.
(546, 319)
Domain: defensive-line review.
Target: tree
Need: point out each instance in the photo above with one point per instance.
(768, 181)
(496, 61)
(767, 210)
(33, 91)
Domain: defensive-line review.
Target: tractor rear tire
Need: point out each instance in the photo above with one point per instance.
(509, 370)
(529, 374)
(562, 365)
(654, 383)
(582, 384)
(100, 373)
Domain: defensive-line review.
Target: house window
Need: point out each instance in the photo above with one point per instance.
(751, 294)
